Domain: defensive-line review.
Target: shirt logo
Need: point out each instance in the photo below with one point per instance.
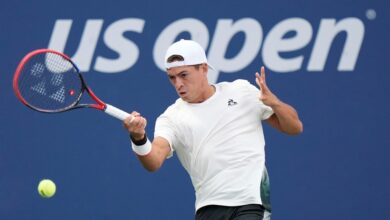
(231, 102)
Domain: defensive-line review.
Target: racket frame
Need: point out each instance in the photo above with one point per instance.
(100, 105)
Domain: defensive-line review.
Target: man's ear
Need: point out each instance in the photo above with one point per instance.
(204, 67)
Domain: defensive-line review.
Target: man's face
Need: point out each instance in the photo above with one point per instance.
(189, 81)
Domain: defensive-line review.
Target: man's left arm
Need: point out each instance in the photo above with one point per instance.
(285, 117)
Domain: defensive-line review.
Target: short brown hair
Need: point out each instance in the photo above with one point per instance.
(175, 58)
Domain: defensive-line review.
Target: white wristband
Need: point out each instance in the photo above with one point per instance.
(142, 150)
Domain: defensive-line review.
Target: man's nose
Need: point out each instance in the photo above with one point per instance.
(178, 83)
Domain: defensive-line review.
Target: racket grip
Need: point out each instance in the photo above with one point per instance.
(116, 112)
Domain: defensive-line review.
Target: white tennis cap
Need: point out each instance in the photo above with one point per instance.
(190, 50)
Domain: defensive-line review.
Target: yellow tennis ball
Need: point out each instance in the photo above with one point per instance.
(46, 188)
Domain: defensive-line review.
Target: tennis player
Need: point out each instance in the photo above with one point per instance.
(216, 132)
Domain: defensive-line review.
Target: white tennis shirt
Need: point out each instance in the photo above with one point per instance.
(220, 143)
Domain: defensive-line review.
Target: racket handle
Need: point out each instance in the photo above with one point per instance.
(116, 112)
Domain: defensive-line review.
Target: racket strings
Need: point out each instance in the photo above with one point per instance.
(49, 82)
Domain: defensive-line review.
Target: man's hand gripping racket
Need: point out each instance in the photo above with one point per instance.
(48, 81)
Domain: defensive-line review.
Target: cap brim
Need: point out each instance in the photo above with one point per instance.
(211, 67)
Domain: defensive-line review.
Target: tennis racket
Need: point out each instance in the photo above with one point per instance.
(48, 81)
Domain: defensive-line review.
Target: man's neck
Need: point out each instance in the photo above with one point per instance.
(208, 92)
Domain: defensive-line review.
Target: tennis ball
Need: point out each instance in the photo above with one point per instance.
(46, 188)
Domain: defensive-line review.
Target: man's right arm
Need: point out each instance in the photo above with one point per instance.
(151, 155)
(156, 157)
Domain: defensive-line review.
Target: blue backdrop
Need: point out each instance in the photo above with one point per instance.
(326, 58)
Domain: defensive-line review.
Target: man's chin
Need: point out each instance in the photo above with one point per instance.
(184, 98)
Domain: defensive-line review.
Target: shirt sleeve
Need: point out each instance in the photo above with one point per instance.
(254, 92)
(165, 129)
(266, 112)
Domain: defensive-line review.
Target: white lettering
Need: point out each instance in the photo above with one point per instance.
(60, 35)
(197, 30)
(224, 33)
(127, 50)
(328, 30)
(275, 43)
(84, 54)
(289, 35)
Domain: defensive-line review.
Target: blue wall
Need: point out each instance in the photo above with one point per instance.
(337, 169)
